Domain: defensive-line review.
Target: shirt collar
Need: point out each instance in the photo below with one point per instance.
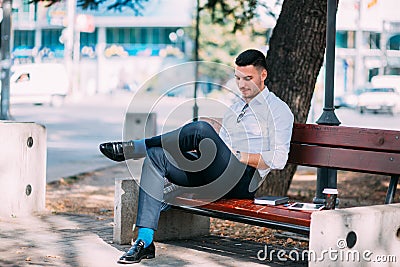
(261, 97)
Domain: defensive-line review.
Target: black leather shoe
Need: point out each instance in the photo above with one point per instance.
(117, 151)
(138, 252)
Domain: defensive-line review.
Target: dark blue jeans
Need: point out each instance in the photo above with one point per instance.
(194, 157)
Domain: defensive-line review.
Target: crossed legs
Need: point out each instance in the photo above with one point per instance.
(213, 164)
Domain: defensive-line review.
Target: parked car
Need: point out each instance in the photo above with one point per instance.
(348, 100)
(342, 101)
(386, 81)
(42, 83)
(379, 99)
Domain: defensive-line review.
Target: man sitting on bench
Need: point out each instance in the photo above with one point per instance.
(254, 138)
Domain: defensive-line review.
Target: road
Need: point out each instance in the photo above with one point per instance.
(75, 129)
(350, 117)
(369, 120)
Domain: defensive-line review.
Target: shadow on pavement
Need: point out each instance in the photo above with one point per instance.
(81, 240)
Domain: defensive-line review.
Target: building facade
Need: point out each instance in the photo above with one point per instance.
(40, 30)
(135, 44)
(367, 42)
(368, 39)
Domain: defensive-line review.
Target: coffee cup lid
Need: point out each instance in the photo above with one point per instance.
(332, 191)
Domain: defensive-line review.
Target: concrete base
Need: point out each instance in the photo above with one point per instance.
(125, 209)
(176, 224)
(23, 168)
(362, 236)
(173, 224)
(139, 125)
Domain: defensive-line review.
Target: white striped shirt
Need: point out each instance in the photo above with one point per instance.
(265, 129)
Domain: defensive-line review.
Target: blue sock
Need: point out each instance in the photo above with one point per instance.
(146, 234)
(139, 148)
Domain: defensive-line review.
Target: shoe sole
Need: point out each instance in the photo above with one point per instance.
(123, 261)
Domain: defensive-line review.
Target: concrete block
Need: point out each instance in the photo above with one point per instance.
(140, 125)
(23, 168)
(361, 236)
(176, 224)
(125, 209)
(173, 224)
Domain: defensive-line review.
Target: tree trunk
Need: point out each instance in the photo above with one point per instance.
(294, 60)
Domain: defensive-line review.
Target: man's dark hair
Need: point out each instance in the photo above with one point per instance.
(251, 57)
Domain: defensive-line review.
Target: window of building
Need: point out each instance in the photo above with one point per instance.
(88, 39)
(345, 39)
(394, 71)
(110, 36)
(374, 40)
(24, 38)
(372, 72)
(165, 35)
(25, 6)
(394, 43)
(156, 36)
(142, 35)
(51, 37)
(124, 35)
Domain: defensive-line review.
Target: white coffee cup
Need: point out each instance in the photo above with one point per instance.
(330, 198)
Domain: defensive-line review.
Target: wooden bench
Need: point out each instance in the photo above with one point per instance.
(337, 147)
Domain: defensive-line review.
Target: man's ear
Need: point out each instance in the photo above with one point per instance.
(264, 74)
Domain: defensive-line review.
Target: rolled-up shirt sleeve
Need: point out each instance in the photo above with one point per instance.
(223, 132)
(280, 125)
(224, 135)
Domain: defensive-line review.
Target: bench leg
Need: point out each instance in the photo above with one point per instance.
(173, 224)
(392, 189)
(326, 178)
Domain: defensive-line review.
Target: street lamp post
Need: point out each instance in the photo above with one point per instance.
(69, 57)
(5, 63)
(196, 66)
(196, 59)
(327, 177)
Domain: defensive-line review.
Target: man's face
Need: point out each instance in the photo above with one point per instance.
(250, 80)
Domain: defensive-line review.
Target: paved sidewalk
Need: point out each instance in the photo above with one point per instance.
(76, 240)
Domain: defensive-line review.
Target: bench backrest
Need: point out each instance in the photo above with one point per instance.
(346, 148)
(340, 147)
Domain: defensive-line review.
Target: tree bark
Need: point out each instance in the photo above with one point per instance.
(294, 59)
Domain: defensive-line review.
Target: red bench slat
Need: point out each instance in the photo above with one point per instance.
(345, 159)
(246, 207)
(350, 137)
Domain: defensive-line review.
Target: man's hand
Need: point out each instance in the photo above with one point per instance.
(253, 160)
